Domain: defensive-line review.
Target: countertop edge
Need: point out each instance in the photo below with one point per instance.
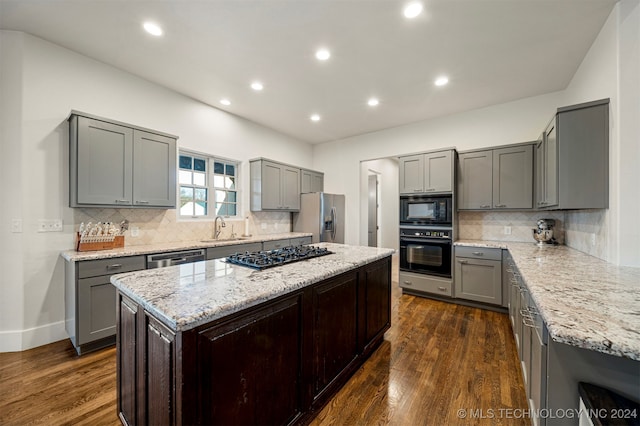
(136, 250)
(178, 326)
(560, 332)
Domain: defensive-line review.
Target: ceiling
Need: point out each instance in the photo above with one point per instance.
(493, 51)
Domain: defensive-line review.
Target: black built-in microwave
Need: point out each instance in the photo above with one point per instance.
(425, 210)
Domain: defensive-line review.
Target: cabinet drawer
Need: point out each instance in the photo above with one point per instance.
(224, 251)
(276, 244)
(299, 241)
(111, 266)
(425, 283)
(479, 252)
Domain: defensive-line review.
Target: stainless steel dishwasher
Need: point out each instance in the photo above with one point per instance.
(174, 258)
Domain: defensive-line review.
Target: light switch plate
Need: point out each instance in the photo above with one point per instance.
(507, 230)
(135, 231)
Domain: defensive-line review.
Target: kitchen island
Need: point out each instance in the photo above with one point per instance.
(214, 343)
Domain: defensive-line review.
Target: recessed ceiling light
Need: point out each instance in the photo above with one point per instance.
(152, 29)
(315, 117)
(256, 85)
(441, 81)
(225, 102)
(373, 102)
(323, 54)
(413, 9)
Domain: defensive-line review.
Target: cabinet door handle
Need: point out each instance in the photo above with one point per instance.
(114, 266)
(442, 288)
(122, 201)
(462, 261)
(501, 205)
(485, 206)
(417, 190)
(141, 202)
(430, 189)
(408, 283)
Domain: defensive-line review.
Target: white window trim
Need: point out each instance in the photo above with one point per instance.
(211, 159)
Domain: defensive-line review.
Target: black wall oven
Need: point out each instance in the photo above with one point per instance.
(426, 250)
(423, 210)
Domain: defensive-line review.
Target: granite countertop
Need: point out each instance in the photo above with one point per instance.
(75, 256)
(186, 296)
(584, 301)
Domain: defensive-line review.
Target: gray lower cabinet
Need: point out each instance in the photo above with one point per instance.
(478, 274)
(274, 186)
(428, 172)
(572, 158)
(113, 164)
(311, 181)
(499, 178)
(90, 310)
(224, 251)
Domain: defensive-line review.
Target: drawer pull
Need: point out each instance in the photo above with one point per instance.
(462, 261)
(501, 205)
(141, 202)
(122, 201)
(478, 253)
(115, 266)
(408, 283)
(442, 288)
(485, 206)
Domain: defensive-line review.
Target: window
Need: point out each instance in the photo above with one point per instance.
(208, 186)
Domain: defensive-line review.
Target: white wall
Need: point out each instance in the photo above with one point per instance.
(389, 216)
(41, 83)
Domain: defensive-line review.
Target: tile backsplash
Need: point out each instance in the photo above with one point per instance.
(584, 230)
(162, 226)
(491, 225)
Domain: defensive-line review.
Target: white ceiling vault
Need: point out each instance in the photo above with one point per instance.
(492, 51)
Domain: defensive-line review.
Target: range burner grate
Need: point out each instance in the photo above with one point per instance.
(267, 259)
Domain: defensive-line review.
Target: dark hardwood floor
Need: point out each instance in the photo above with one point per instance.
(436, 359)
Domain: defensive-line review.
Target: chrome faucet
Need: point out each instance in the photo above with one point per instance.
(216, 230)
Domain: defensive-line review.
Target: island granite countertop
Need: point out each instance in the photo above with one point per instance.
(186, 296)
(75, 256)
(585, 301)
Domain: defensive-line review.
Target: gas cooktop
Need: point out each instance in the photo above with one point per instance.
(267, 259)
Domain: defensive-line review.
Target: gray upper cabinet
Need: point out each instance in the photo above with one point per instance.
(513, 177)
(500, 178)
(475, 180)
(311, 181)
(425, 173)
(274, 186)
(154, 170)
(572, 159)
(113, 164)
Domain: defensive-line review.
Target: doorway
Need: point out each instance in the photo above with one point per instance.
(372, 211)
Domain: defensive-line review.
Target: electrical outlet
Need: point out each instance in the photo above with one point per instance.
(49, 225)
(135, 231)
(507, 230)
(593, 239)
(16, 225)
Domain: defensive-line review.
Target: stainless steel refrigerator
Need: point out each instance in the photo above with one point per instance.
(322, 215)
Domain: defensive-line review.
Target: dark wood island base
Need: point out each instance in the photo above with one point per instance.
(275, 363)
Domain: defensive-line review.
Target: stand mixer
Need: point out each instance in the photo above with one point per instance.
(543, 234)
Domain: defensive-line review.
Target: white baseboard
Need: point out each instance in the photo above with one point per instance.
(21, 340)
